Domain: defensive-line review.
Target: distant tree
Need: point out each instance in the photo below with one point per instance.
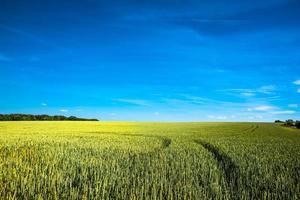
(297, 124)
(289, 122)
(25, 117)
(59, 118)
(278, 121)
(72, 118)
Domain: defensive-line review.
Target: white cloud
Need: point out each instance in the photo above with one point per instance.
(259, 117)
(218, 117)
(138, 102)
(293, 105)
(263, 108)
(298, 90)
(248, 94)
(64, 110)
(43, 104)
(282, 112)
(297, 82)
(267, 89)
(255, 117)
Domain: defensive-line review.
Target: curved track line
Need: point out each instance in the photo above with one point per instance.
(254, 129)
(164, 144)
(250, 129)
(230, 170)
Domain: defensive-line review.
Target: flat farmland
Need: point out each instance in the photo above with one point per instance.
(126, 160)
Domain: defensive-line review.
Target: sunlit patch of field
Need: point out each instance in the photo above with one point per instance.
(121, 160)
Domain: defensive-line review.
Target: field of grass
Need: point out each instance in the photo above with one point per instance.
(105, 160)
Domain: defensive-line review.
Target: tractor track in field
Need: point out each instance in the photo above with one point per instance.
(253, 129)
(247, 130)
(229, 168)
(250, 130)
(165, 141)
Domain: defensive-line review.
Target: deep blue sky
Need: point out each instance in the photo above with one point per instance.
(161, 60)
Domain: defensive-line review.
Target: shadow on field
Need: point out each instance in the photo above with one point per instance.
(230, 170)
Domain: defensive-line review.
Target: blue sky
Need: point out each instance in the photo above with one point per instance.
(159, 60)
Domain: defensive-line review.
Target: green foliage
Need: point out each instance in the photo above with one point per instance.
(297, 124)
(289, 122)
(25, 117)
(102, 160)
(279, 121)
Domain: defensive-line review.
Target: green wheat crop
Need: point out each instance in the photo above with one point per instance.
(105, 160)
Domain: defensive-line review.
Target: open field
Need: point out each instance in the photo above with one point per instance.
(103, 160)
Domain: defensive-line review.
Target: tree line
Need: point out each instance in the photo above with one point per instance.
(29, 117)
(290, 123)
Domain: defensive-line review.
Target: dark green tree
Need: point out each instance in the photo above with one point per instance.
(297, 124)
(289, 122)
(25, 117)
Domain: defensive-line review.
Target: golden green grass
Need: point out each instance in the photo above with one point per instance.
(120, 160)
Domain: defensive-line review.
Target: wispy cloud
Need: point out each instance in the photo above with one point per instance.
(283, 112)
(44, 104)
(297, 82)
(246, 92)
(218, 117)
(242, 92)
(64, 110)
(221, 117)
(294, 105)
(255, 117)
(268, 89)
(156, 113)
(263, 108)
(251, 105)
(138, 102)
(271, 110)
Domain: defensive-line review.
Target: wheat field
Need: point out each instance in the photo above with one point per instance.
(126, 160)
